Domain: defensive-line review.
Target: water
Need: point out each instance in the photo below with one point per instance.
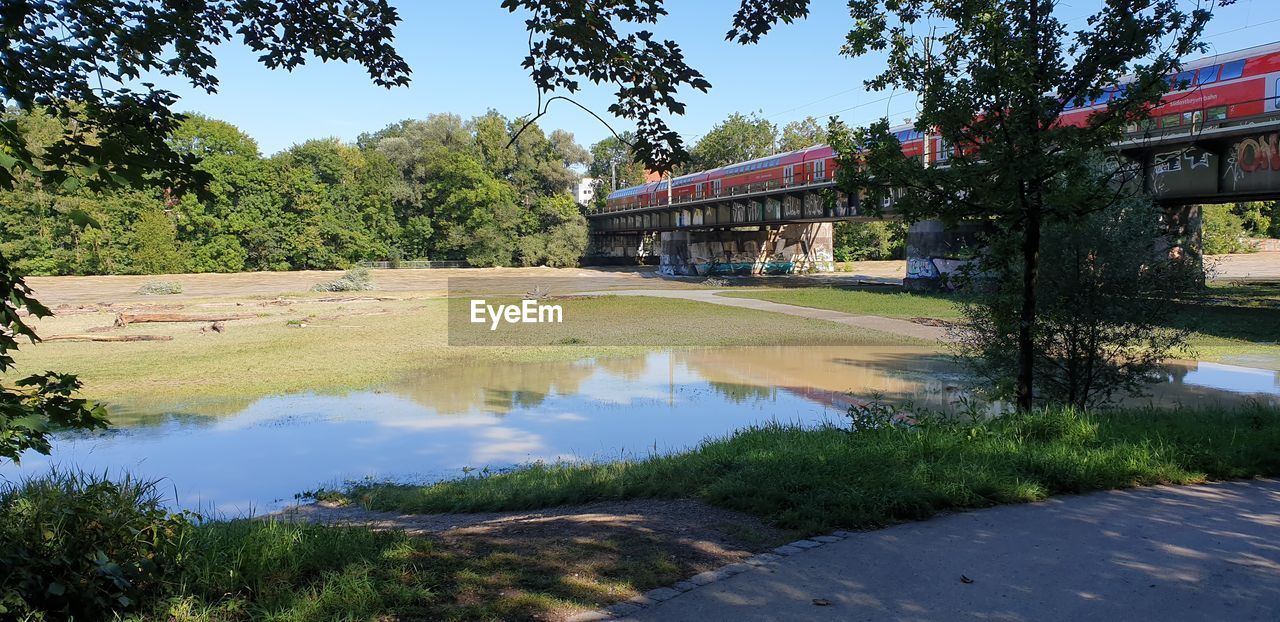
(234, 459)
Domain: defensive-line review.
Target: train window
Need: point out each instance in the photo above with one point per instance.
(1232, 70)
(1183, 80)
(1207, 75)
(1216, 114)
(1170, 120)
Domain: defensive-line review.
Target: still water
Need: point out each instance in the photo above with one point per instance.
(234, 459)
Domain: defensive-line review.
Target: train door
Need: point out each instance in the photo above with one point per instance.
(697, 190)
(820, 170)
(715, 187)
(789, 175)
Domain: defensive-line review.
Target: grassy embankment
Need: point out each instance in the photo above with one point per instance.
(806, 480)
(1235, 322)
(360, 344)
(815, 480)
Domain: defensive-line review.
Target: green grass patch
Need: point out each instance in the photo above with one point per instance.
(1234, 322)
(883, 301)
(814, 480)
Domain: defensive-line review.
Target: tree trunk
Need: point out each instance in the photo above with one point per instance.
(1027, 316)
(125, 319)
(109, 338)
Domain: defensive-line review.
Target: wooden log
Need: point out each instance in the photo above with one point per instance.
(109, 338)
(125, 319)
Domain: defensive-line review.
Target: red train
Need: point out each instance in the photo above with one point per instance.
(1208, 92)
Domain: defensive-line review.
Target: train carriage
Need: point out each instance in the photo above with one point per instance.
(1223, 89)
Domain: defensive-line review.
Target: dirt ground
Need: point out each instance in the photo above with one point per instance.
(122, 289)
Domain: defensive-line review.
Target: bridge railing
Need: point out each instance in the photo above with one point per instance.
(798, 182)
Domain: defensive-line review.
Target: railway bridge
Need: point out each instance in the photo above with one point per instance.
(780, 226)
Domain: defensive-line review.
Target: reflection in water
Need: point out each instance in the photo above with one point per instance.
(434, 424)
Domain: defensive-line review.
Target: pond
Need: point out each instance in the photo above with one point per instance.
(235, 458)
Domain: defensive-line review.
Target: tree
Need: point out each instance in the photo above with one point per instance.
(610, 158)
(993, 85)
(800, 134)
(57, 57)
(736, 139)
(153, 244)
(992, 77)
(1105, 320)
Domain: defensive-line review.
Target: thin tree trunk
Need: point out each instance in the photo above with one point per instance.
(1027, 317)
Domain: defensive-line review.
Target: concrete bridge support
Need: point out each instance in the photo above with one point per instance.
(780, 249)
(934, 251)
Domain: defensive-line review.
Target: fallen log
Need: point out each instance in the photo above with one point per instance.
(109, 338)
(125, 319)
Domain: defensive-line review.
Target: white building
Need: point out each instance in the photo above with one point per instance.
(585, 191)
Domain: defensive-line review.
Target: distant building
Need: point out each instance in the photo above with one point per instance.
(585, 191)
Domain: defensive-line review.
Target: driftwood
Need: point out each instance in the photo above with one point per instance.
(125, 319)
(109, 338)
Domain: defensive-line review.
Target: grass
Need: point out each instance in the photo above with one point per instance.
(355, 345)
(271, 570)
(1234, 322)
(814, 480)
(883, 301)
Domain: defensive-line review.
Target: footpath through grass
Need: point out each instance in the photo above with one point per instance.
(815, 480)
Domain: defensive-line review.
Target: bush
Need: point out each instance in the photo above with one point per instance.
(858, 241)
(1222, 231)
(75, 545)
(355, 280)
(160, 288)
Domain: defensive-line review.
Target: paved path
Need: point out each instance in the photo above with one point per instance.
(871, 322)
(1166, 553)
(1246, 266)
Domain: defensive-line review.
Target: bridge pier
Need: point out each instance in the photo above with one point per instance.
(935, 251)
(779, 249)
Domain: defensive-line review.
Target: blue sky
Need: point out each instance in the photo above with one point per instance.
(466, 59)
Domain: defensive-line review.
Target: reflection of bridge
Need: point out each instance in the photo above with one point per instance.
(772, 227)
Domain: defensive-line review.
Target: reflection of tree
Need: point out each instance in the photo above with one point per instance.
(495, 388)
(739, 393)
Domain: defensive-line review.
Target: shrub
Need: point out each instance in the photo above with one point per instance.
(354, 280)
(160, 288)
(1222, 231)
(75, 545)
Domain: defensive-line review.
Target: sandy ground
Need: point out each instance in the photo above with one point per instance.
(1164, 553)
(1249, 266)
(122, 289)
(116, 289)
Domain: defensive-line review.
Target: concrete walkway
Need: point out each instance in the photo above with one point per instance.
(871, 322)
(1167, 553)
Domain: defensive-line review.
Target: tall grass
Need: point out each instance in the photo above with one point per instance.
(272, 570)
(814, 480)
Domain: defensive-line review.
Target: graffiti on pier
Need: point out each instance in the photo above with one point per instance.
(1183, 172)
(1253, 164)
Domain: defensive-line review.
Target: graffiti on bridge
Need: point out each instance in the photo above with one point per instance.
(1253, 163)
